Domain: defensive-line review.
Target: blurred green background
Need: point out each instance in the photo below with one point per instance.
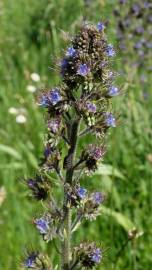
(31, 41)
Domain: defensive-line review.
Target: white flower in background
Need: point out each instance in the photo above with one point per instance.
(21, 119)
(35, 77)
(31, 88)
(13, 110)
(19, 113)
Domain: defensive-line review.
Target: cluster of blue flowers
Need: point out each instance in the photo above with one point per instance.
(51, 98)
(80, 106)
(89, 254)
(35, 260)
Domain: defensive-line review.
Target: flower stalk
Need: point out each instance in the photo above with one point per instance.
(66, 248)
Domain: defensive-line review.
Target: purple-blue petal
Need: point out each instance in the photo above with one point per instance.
(54, 96)
(71, 52)
(100, 26)
(42, 225)
(81, 192)
(110, 120)
(30, 260)
(113, 91)
(110, 50)
(98, 197)
(92, 108)
(96, 256)
(83, 70)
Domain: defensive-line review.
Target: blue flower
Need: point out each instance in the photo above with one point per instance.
(30, 260)
(83, 70)
(96, 256)
(110, 75)
(100, 26)
(48, 150)
(110, 120)
(44, 101)
(136, 9)
(146, 5)
(92, 108)
(54, 125)
(113, 91)
(31, 183)
(42, 225)
(64, 64)
(54, 96)
(138, 45)
(110, 51)
(97, 198)
(71, 52)
(81, 192)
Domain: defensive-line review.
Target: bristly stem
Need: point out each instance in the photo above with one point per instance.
(66, 246)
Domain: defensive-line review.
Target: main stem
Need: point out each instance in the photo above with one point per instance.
(66, 246)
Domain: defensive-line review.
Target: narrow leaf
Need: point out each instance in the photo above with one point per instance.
(105, 169)
(10, 151)
(121, 219)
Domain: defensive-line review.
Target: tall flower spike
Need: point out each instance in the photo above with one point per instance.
(81, 106)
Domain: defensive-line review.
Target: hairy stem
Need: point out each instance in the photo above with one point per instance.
(66, 246)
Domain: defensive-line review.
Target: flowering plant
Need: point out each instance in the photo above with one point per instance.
(79, 107)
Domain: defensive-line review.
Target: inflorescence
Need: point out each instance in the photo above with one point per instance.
(81, 105)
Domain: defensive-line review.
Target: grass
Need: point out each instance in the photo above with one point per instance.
(30, 41)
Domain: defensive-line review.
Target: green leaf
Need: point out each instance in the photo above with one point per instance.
(76, 226)
(121, 219)
(105, 169)
(10, 151)
(30, 156)
(12, 165)
(32, 159)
